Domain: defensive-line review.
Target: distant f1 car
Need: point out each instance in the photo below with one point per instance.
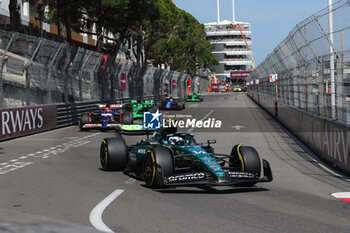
(139, 107)
(108, 117)
(175, 159)
(172, 103)
(194, 97)
(237, 88)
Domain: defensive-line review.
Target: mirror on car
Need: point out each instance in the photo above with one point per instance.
(211, 141)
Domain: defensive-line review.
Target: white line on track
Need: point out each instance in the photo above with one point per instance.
(332, 172)
(206, 116)
(193, 105)
(343, 196)
(96, 213)
(14, 164)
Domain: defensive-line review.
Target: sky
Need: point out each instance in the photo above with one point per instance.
(271, 20)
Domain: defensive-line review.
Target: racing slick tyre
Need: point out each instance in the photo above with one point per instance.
(158, 162)
(200, 99)
(153, 108)
(113, 154)
(84, 119)
(245, 159)
(179, 106)
(127, 118)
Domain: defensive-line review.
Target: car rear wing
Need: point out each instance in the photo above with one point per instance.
(110, 105)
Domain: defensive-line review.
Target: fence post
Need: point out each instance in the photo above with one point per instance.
(332, 52)
(92, 79)
(321, 90)
(3, 61)
(340, 85)
(27, 64)
(49, 77)
(81, 75)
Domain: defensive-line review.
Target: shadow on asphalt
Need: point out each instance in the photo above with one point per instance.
(1, 150)
(210, 190)
(98, 130)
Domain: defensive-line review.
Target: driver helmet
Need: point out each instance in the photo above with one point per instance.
(176, 140)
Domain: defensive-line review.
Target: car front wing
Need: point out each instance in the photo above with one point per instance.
(232, 178)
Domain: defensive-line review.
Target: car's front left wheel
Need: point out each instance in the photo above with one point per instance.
(245, 159)
(158, 164)
(113, 154)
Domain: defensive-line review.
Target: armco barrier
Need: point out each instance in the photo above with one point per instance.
(17, 122)
(330, 140)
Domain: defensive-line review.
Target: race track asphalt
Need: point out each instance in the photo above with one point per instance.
(57, 174)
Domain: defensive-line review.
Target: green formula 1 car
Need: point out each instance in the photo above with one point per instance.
(194, 97)
(169, 158)
(139, 107)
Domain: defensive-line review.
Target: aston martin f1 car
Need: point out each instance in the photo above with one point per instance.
(169, 158)
(108, 117)
(194, 97)
(172, 103)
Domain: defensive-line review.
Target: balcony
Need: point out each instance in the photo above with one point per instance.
(228, 32)
(233, 52)
(231, 42)
(237, 61)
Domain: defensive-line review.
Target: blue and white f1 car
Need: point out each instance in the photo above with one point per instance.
(107, 117)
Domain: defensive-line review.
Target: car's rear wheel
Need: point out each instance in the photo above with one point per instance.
(179, 106)
(84, 119)
(183, 104)
(127, 118)
(158, 162)
(153, 108)
(113, 154)
(245, 159)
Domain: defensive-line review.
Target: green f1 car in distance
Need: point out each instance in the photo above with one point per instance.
(139, 107)
(194, 97)
(175, 159)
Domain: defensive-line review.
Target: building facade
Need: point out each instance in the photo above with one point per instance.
(231, 45)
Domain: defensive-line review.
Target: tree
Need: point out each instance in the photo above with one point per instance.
(178, 39)
(167, 34)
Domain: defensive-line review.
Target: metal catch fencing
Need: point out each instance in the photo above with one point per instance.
(312, 64)
(35, 71)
